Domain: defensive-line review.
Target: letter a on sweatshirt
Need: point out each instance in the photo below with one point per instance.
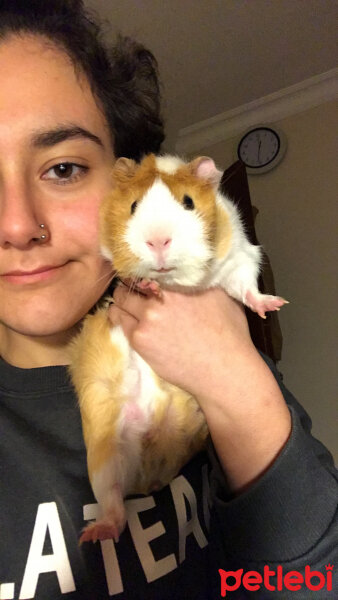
(37, 563)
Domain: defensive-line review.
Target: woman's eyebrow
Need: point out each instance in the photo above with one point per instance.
(51, 137)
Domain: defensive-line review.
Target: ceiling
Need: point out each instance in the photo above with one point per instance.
(215, 55)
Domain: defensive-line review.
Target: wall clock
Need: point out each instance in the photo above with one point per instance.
(261, 148)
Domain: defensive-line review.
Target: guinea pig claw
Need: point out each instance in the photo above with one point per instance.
(262, 303)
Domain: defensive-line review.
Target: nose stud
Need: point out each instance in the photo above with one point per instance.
(44, 236)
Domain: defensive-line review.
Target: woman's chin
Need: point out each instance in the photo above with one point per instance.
(38, 323)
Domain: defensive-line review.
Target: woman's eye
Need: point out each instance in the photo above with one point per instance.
(66, 172)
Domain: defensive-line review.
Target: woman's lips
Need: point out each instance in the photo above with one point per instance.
(40, 274)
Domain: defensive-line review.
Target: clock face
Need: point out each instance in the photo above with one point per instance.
(259, 147)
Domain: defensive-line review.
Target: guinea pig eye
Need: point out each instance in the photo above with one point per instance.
(188, 203)
(133, 207)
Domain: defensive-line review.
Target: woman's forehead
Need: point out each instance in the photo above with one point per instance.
(40, 86)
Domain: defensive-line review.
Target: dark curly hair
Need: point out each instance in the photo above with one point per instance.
(124, 79)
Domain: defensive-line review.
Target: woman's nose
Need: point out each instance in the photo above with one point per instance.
(19, 222)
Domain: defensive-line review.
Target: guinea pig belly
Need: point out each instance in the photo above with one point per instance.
(138, 388)
(159, 427)
(140, 394)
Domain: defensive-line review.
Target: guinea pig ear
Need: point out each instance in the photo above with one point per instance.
(204, 167)
(124, 167)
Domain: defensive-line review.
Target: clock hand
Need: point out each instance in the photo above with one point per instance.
(259, 149)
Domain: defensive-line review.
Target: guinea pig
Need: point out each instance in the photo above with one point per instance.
(164, 225)
(165, 221)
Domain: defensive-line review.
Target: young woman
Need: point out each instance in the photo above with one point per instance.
(265, 494)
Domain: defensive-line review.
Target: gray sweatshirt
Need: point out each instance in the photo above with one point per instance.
(278, 540)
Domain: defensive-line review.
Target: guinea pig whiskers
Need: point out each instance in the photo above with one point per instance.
(131, 285)
(110, 276)
(138, 277)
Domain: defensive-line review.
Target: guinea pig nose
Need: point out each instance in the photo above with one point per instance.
(158, 243)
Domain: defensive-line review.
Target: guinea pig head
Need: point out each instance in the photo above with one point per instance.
(160, 219)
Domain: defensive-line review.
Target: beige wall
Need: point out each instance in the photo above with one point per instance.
(297, 225)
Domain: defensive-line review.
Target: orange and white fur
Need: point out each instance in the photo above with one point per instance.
(164, 225)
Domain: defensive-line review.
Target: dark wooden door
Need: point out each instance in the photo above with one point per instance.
(265, 333)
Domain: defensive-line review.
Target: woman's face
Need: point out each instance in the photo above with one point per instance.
(55, 161)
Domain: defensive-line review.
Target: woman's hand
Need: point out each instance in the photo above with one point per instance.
(201, 343)
(181, 336)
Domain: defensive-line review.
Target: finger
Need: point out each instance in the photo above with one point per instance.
(132, 302)
(115, 314)
(122, 291)
(131, 286)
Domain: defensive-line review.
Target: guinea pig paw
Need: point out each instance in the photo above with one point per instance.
(262, 303)
(100, 530)
(105, 529)
(150, 285)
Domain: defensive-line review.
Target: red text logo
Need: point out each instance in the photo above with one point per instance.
(291, 580)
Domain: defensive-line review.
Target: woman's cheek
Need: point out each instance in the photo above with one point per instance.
(80, 222)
